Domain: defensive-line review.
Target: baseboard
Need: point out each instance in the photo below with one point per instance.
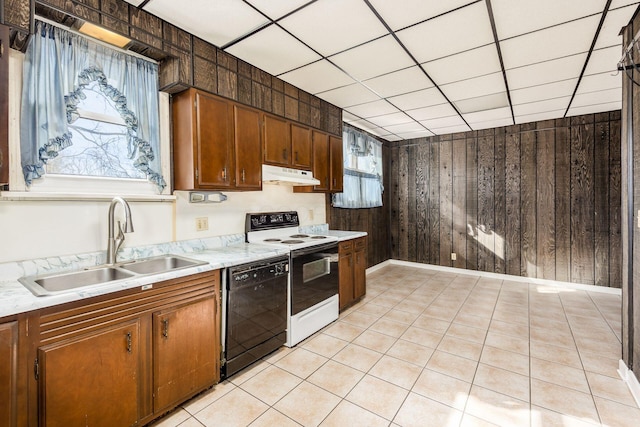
(630, 379)
(377, 267)
(500, 276)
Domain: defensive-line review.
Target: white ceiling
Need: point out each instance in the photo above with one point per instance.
(411, 68)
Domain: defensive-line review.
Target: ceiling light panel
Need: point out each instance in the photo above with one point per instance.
(373, 59)
(477, 86)
(547, 115)
(372, 109)
(556, 42)
(554, 104)
(277, 9)
(273, 50)
(418, 99)
(546, 91)
(613, 22)
(604, 60)
(465, 65)
(331, 26)
(391, 119)
(317, 77)
(443, 122)
(461, 30)
(413, 11)
(546, 72)
(217, 22)
(399, 82)
(603, 81)
(433, 112)
(519, 17)
(347, 96)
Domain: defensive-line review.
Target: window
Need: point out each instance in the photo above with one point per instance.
(88, 111)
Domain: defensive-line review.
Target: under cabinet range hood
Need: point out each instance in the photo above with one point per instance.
(287, 176)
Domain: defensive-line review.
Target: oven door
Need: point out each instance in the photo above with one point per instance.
(314, 276)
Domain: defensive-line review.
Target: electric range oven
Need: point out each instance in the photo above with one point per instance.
(313, 279)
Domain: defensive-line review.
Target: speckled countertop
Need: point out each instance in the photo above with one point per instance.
(217, 252)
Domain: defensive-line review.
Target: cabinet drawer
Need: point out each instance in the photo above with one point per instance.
(346, 246)
(360, 243)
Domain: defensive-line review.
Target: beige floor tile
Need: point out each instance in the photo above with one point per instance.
(615, 414)
(562, 375)
(296, 405)
(389, 327)
(378, 396)
(357, 357)
(442, 312)
(218, 413)
(344, 331)
(373, 310)
(411, 352)
(454, 366)
(610, 388)
(172, 419)
(514, 362)
(411, 305)
(467, 333)
(191, 422)
(474, 321)
(563, 400)
(552, 353)
(600, 365)
(249, 372)
(422, 337)
(420, 411)
(432, 324)
(384, 301)
(205, 399)
(397, 315)
(336, 378)
(273, 418)
(395, 371)
(471, 421)
(552, 336)
(541, 417)
(502, 381)
(346, 413)
(605, 349)
(459, 347)
(271, 384)
(497, 408)
(360, 319)
(442, 388)
(301, 362)
(325, 345)
(375, 341)
(509, 343)
(511, 329)
(278, 354)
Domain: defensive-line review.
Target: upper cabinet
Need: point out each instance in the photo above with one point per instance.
(321, 160)
(300, 146)
(247, 144)
(328, 165)
(337, 164)
(286, 143)
(4, 105)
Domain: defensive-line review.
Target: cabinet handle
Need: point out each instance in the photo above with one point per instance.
(243, 175)
(224, 174)
(129, 342)
(284, 153)
(165, 328)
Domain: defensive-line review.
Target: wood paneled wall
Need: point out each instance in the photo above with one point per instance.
(536, 200)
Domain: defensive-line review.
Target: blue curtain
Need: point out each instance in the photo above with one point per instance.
(363, 171)
(58, 66)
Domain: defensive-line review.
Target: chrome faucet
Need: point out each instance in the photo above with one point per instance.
(114, 243)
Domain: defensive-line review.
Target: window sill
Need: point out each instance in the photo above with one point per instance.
(82, 197)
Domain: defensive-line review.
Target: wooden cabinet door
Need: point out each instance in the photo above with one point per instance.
(300, 146)
(4, 105)
(248, 148)
(277, 141)
(8, 373)
(345, 269)
(337, 166)
(186, 352)
(359, 268)
(321, 160)
(214, 141)
(92, 380)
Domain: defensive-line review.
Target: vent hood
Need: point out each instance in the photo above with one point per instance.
(287, 176)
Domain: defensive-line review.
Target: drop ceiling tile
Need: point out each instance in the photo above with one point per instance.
(464, 65)
(598, 108)
(481, 103)
(273, 50)
(134, 2)
(331, 26)
(620, 3)
(405, 128)
(433, 112)
(461, 30)
(492, 124)
(537, 107)
(317, 77)
(519, 17)
(603, 81)
(547, 115)
(404, 81)
(418, 99)
(414, 135)
(546, 72)
(348, 95)
(614, 21)
(217, 22)
(556, 42)
(443, 122)
(486, 115)
(597, 98)
(604, 60)
(392, 137)
(545, 91)
(450, 129)
(348, 117)
(371, 109)
(382, 132)
(373, 59)
(391, 119)
(413, 11)
(477, 86)
(277, 9)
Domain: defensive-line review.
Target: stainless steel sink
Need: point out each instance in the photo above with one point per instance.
(54, 283)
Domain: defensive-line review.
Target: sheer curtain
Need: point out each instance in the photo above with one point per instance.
(58, 66)
(362, 171)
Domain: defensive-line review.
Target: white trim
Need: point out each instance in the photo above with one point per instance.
(632, 382)
(70, 197)
(377, 267)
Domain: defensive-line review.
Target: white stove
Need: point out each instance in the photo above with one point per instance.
(281, 229)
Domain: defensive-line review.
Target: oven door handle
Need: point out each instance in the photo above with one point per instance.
(314, 249)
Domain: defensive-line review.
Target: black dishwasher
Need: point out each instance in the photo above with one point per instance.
(256, 312)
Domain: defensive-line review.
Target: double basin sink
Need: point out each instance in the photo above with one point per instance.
(55, 283)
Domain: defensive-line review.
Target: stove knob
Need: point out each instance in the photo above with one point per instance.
(279, 269)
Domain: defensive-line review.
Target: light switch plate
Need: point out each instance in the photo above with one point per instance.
(202, 223)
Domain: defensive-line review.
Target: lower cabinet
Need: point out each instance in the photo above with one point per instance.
(352, 267)
(8, 373)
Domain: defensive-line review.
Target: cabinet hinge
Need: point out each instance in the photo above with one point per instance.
(36, 369)
(196, 174)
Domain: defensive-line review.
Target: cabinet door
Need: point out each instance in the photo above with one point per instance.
(215, 142)
(248, 148)
(4, 104)
(359, 271)
(277, 141)
(321, 160)
(186, 352)
(92, 380)
(300, 146)
(8, 373)
(337, 166)
(345, 268)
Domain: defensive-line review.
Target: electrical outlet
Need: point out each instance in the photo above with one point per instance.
(310, 214)
(454, 256)
(202, 223)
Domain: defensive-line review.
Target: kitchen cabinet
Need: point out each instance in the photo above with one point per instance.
(247, 146)
(321, 160)
(336, 164)
(4, 105)
(352, 264)
(328, 165)
(8, 373)
(300, 146)
(286, 143)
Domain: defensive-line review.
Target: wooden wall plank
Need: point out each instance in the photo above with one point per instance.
(394, 219)
(500, 213)
(545, 203)
(403, 203)
(434, 202)
(601, 203)
(472, 199)
(528, 197)
(459, 213)
(486, 191)
(446, 199)
(512, 200)
(412, 230)
(422, 202)
(563, 199)
(615, 206)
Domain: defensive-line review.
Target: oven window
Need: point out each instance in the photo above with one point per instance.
(316, 269)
